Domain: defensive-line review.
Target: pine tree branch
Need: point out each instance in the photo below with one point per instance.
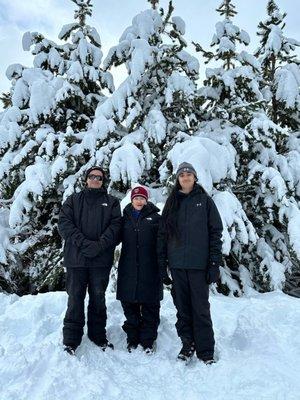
(169, 13)
(206, 54)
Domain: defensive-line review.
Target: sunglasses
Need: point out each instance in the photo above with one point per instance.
(98, 178)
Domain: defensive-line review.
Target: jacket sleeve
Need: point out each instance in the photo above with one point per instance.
(66, 225)
(120, 235)
(162, 248)
(215, 228)
(68, 230)
(111, 236)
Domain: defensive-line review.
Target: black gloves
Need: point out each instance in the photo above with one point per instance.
(90, 248)
(167, 281)
(164, 276)
(212, 273)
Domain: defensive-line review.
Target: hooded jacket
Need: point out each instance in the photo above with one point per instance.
(90, 222)
(199, 225)
(139, 278)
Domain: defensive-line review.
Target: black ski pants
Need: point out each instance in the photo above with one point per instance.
(95, 280)
(190, 293)
(142, 320)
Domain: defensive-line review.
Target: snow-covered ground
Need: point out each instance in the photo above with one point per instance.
(258, 351)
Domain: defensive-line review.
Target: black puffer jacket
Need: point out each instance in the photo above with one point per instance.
(90, 223)
(199, 245)
(138, 275)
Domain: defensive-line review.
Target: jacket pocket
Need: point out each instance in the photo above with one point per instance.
(72, 255)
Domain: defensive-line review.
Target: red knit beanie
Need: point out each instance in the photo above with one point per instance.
(139, 191)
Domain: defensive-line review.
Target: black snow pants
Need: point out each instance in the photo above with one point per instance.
(78, 281)
(142, 320)
(190, 293)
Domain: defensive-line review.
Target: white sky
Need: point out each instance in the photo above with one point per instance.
(111, 17)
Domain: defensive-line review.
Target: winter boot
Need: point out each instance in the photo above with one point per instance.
(208, 360)
(105, 345)
(70, 350)
(131, 345)
(186, 353)
(149, 348)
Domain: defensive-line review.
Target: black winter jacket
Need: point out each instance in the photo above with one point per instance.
(90, 222)
(138, 275)
(199, 245)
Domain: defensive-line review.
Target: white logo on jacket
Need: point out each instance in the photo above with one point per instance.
(198, 204)
(104, 204)
(149, 219)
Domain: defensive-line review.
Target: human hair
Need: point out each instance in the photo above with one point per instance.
(171, 208)
(170, 212)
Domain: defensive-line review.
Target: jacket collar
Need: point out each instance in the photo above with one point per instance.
(148, 209)
(196, 189)
(93, 194)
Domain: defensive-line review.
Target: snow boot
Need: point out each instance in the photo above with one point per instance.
(186, 353)
(149, 348)
(105, 345)
(208, 361)
(131, 346)
(70, 350)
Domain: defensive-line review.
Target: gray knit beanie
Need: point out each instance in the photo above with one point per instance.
(186, 167)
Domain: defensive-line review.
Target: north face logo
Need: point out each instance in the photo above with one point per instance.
(104, 204)
(198, 204)
(149, 219)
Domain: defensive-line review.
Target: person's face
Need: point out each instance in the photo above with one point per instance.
(95, 179)
(186, 180)
(138, 202)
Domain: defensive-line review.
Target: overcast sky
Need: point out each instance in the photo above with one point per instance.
(111, 17)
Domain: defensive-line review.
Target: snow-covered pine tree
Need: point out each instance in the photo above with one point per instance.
(48, 112)
(280, 149)
(280, 68)
(226, 102)
(265, 184)
(152, 109)
(231, 90)
(271, 200)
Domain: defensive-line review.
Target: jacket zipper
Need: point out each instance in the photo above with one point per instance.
(185, 234)
(137, 225)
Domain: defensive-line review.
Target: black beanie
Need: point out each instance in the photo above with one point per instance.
(92, 169)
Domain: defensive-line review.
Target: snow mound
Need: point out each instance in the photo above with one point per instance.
(258, 348)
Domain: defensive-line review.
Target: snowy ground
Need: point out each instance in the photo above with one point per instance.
(258, 347)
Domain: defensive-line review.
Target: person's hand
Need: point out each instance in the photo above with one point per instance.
(90, 248)
(167, 281)
(213, 273)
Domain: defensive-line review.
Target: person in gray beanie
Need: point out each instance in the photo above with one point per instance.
(189, 244)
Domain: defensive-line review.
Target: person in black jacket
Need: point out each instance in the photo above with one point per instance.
(139, 284)
(89, 222)
(189, 244)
